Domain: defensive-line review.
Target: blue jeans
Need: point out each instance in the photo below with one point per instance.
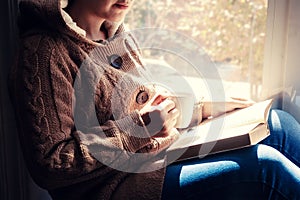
(269, 170)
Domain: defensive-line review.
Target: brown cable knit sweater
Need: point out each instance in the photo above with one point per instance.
(77, 115)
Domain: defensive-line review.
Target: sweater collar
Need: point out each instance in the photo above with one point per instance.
(111, 27)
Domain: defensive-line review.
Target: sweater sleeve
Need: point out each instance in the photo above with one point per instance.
(58, 153)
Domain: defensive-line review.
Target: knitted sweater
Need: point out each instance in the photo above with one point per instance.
(78, 113)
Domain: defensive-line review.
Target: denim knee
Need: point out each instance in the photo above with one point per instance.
(280, 120)
(270, 160)
(278, 172)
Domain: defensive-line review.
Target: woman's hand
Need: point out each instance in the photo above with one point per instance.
(213, 109)
(160, 116)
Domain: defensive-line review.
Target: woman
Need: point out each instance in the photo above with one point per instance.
(80, 144)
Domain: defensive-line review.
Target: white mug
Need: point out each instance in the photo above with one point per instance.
(185, 105)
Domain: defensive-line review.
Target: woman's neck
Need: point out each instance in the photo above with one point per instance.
(88, 22)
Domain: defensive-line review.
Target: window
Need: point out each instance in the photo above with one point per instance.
(232, 33)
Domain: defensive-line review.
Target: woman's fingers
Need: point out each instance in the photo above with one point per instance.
(239, 103)
(174, 112)
(158, 99)
(167, 105)
(168, 111)
(217, 108)
(172, 118)
(240, 99)
(161, 117)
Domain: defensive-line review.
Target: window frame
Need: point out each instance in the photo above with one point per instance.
(281, 49)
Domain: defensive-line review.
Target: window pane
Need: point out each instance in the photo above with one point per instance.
(232, 33)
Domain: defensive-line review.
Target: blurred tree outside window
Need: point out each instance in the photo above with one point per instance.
(232, 32)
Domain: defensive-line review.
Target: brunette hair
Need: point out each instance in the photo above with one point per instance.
(70, 2)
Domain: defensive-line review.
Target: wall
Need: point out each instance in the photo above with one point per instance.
(12, 174)
(282, 60)
(292, 60)
(15, 182)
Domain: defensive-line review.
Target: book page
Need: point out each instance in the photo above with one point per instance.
(232, 124)
(255, 114)
(207, 133)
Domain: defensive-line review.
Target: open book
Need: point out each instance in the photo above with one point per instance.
(233, 130)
